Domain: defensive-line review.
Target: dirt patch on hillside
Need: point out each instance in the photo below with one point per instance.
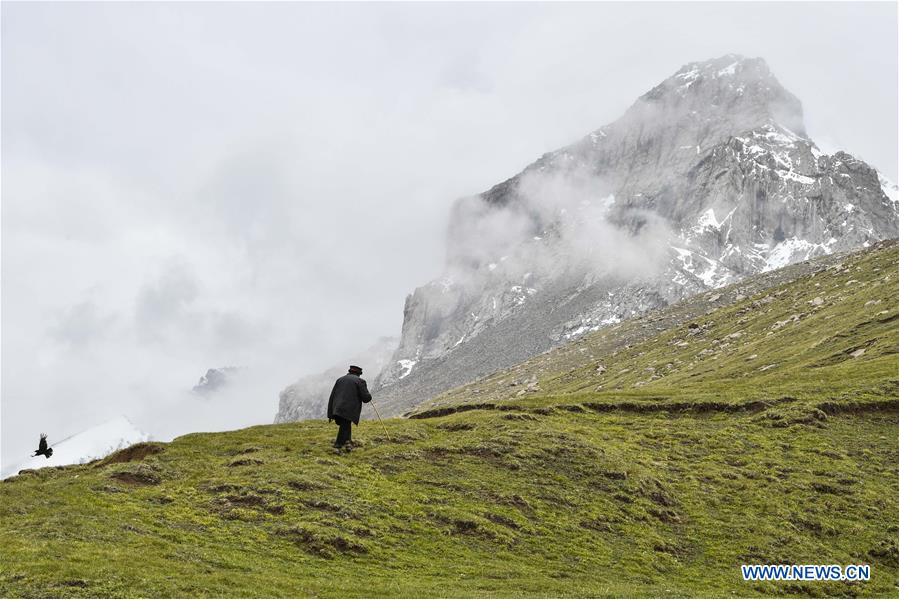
(244, 462)
(321, 544)
(135, 453)
(137, 474)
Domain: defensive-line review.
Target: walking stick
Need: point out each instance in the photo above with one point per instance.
(381, 421)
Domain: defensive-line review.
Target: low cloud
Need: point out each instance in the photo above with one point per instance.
(164, 306)
(559, 222)
(81, 325)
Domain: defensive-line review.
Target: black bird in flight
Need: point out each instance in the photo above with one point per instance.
(42, 448)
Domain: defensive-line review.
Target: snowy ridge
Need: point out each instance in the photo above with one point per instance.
(88, 445)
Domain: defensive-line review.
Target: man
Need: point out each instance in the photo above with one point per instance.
(345, 405)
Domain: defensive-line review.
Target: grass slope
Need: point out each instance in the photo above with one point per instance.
(613, 481)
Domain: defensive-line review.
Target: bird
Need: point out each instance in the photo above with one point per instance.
(42, 448)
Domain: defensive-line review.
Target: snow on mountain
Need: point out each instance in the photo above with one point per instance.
(890, 189)
(88, 445)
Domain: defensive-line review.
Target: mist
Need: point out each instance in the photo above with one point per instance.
(190, 186)
(564, 223)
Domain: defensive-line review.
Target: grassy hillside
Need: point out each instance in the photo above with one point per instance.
(757, 437)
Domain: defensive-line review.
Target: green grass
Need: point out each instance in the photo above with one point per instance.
(656, 490)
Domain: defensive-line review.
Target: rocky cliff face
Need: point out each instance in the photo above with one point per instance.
(707, 178)
(215, 380)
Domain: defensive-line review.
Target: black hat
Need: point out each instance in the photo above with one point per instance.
(355, 370)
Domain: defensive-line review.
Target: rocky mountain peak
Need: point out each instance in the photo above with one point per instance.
(663, 134)
(740, 92)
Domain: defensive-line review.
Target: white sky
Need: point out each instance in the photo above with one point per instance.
(199, 185)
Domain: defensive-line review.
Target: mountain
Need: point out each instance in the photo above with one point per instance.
(754, 424)
(215, 379)
(707, 178)
(90, 444)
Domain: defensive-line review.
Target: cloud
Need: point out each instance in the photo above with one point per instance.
(81, 324)
(560, 222)
(164, 306)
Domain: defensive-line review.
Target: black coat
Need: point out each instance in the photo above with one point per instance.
(349, 393)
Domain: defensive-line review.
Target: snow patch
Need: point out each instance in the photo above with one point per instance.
(890, 189)
(794, 176)
(588, 325)
(707, 219)
(597, 135)
(712, 273)
(728, 70)
(687, 79)
(688, 76)
(407, 366)
(794, 250)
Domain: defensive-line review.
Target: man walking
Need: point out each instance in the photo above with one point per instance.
(345, 405)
